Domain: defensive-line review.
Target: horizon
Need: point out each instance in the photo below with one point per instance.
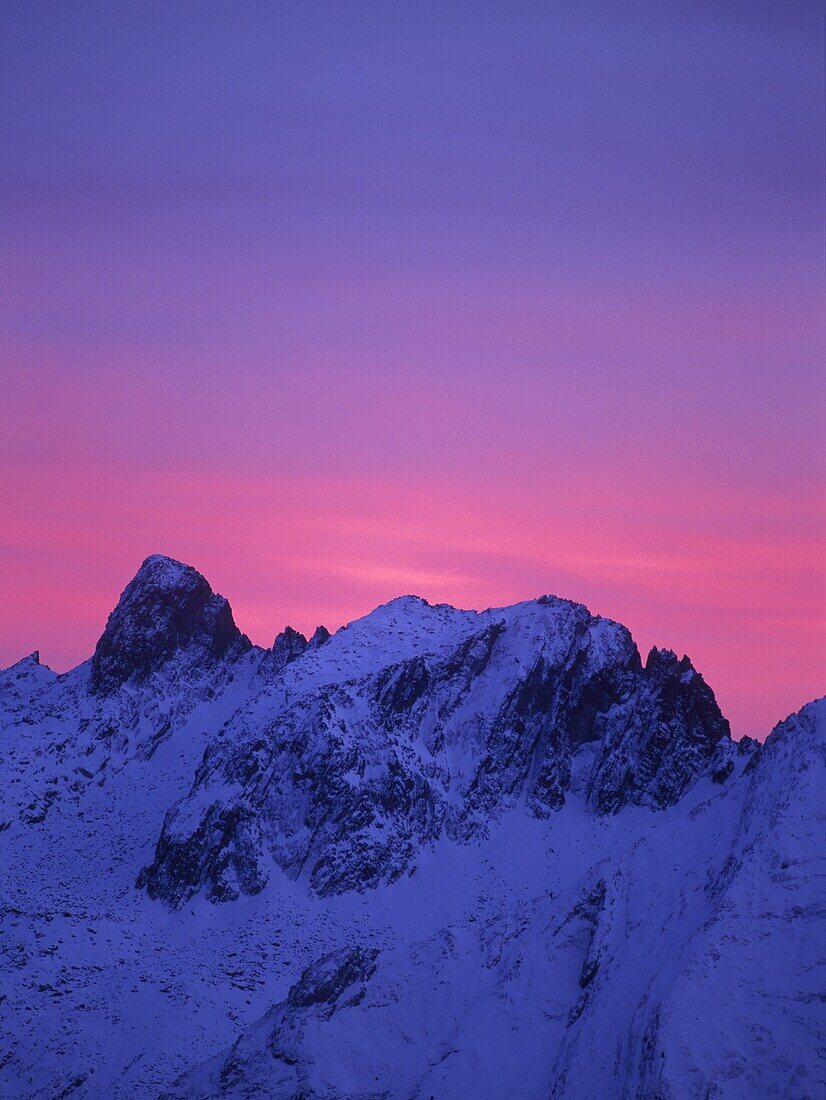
(477, 303)
(307, 631)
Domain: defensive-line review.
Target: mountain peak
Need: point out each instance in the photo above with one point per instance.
(161, 571)
(407, 600)
(290, 637)
(287, 647)
(320, 635)
(166, 607)
(31, 660)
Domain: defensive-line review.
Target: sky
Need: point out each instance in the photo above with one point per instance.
(477, 301)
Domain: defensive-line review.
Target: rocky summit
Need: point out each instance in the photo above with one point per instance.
(438, 853)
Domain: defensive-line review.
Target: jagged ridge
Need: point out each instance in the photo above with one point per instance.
(548, 943)
(345, 777)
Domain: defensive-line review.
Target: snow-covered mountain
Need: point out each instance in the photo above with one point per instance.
(439, 853)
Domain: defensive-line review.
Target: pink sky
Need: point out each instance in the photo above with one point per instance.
(478, 302)
(743, 598)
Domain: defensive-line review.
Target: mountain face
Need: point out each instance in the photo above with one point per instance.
(343, 768)
(438, 853)
(166, 610)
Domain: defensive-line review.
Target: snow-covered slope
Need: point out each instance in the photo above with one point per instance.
(440, 853)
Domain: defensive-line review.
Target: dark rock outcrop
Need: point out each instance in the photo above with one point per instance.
(287, 647)
(665, 736)
(321, 635)
(168, 607)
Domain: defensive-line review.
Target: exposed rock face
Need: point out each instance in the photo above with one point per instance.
(346, 778)
(166, 608)
(288, 646)
(673, 733)
(320, 635)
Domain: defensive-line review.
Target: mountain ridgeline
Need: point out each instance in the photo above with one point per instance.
(332, 770)
(345, 773)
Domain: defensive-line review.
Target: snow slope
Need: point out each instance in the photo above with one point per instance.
(440, 853)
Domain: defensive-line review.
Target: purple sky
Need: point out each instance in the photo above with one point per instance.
(337, 301)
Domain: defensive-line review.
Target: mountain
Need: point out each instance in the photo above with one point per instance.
(167, 610)
(439, 853)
